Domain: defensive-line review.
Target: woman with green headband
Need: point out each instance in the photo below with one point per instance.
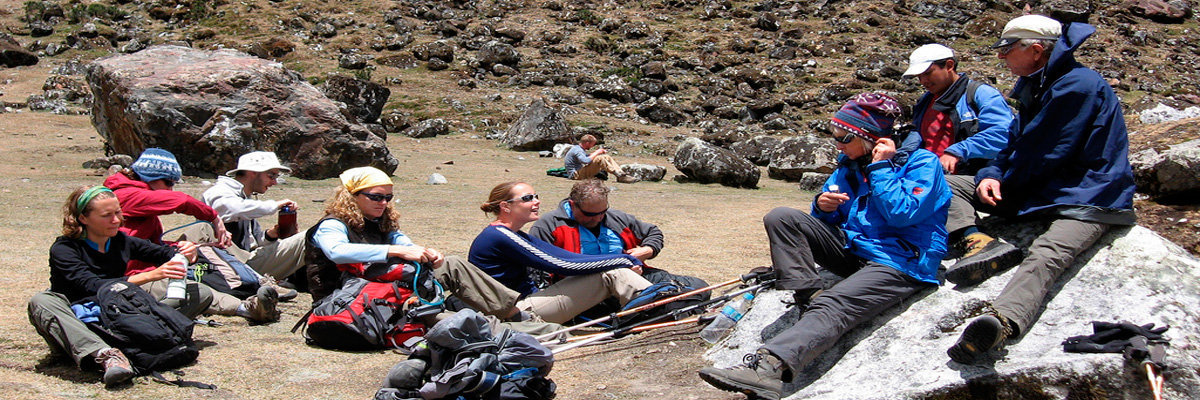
(92, 252)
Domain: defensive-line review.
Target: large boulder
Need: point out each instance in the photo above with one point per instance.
(210, 107)
(1173, 174)
(645, 172)
(1130, 274)
(757, 149)
(12, 54)
(705, 163)
(539, 128)
(796, 155)
(661, 111)
(364, 99)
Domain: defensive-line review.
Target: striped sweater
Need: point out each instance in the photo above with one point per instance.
(505, 255)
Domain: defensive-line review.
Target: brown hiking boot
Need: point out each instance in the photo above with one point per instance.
(116, 367)
(984, 334)
(261, 306)
(985, 256)
(628, 179)
(760, 377)
(285, 294)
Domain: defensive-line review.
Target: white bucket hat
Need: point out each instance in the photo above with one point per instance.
(258, 161)
(924, 56)
(1029, 27)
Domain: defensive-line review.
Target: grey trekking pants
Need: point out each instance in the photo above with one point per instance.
(861, 296)
(800, 241)
(1049, 255)
(962, 203)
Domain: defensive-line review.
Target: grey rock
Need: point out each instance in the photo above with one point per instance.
(364, 99)
(436, 179)
(661, 111)
(654, 70)
(121, 160)
(645, 172)
(428, 128)
(353, 61)
(813, 181)
(40, 29)
(210, 107)
(545, 154)
(395, 121)
(1164, 113)
(757, 149)
(13, 55)
(1173, 174)
(441, 50)
(705, 163)
(1130, 274)
(799, 154)
(496, 52)
(540, 127)
(1165, 11)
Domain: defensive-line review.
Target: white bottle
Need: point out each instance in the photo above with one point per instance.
(727, 318)
(177, 288)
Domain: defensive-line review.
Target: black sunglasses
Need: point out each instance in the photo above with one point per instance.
(168, 182)
(525, 199)
(588, 214)
(376, 197)
(845, 139)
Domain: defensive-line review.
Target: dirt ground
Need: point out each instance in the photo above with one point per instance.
(713, 232)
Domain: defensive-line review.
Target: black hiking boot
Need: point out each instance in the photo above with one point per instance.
(760, 377)
(985, 257)
(984, 334)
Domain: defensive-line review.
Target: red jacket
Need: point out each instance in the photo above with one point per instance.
(563, 231)
(142, 206)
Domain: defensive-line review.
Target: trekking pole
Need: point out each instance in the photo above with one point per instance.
(638, 308)
(642, 328)
(617, 333)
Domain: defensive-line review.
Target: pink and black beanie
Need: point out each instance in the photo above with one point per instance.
(868, 115)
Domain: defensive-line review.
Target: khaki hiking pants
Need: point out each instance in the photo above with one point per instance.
(603, 162)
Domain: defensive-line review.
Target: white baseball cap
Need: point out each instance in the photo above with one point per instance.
(924, 56)
(258, 161)
(1029, 27)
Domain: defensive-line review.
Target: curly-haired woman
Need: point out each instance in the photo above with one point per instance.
(92, 252)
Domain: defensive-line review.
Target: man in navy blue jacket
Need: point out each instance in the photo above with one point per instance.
(880, 221)
(1067, 163)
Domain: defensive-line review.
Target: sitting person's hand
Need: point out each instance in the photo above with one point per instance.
(170, 270)
(642, 252)
(830, 201)
(188, 249)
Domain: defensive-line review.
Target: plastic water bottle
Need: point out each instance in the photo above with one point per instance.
(727, 318)
(177, 288)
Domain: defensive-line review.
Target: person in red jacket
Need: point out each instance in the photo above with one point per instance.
(583, 223)
(145, 191)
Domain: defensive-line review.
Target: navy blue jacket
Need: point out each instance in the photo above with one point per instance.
(1069, 151)
(896, 215)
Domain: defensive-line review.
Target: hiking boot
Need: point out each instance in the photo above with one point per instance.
(984, 334)
(116, 367)
(985, 257)
(261, 306)
(628, 179)
(760, 377)
(407, 374)
(285, 294)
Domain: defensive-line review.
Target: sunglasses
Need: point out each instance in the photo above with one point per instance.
(1004, 50)
(588, 214)
(525, 199)
(376, 197)
(844, 139)
(168, 182)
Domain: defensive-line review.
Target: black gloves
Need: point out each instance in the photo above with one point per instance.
(1110, 337)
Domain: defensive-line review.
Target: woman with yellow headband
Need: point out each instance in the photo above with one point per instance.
(361, 225)
(92, 252)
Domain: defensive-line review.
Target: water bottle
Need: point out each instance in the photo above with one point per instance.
(287, 222)
(727, 318)
(177, 288)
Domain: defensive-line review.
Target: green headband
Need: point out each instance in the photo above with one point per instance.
(87, 197)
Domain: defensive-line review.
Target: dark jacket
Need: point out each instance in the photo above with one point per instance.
(560, 228)
(506, 255)
(77, 270)
(978, 134)
(1069, 151)
(896, 215)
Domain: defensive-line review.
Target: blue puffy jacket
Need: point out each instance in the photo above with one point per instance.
(978, 134)
(896, 215)
(1069, 151)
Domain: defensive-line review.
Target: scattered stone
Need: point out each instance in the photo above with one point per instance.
(538, 128)
(1165, 11)
(645, 172)
(272, 48)
(436, 179)
(758, 149)
(1164, 113)
(364, 99)
(661, 111)
(1172, 175)
(794, 156)
(428, 128)
(118, 160)
(12, 54)
(705, 163)
(353, 61)
(498, 53)
(813, 181)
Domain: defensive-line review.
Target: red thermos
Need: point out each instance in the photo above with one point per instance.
(287, 222)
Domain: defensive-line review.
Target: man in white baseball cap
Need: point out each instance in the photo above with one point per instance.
(965, 123)
(234, 198)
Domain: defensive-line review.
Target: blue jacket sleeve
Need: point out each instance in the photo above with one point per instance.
(909, 194)
(533, 252)
(995, 118)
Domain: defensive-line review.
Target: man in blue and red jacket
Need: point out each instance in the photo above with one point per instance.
(583, 223)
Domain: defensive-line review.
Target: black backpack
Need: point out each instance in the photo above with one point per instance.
(154, 336)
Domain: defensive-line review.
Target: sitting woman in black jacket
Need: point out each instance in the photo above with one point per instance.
(90, 253)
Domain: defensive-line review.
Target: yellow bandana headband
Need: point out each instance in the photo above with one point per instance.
(357, 179)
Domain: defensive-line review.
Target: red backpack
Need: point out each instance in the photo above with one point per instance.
(370, 314)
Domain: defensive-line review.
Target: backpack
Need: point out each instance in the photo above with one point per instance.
(154, 336)
(375, 313)
(665, 285)
(560, 172)
(223, 272)
(467, 361)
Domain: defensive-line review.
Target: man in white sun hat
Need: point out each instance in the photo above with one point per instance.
(965, 123)
(1066, 164)
(234, 196)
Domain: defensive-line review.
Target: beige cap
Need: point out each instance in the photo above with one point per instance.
(1029, 27)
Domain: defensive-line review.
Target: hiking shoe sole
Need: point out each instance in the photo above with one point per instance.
(116, 376)
(717, 378)
(983, 334)
(995, 258)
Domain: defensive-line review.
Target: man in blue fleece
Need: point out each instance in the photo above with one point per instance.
(1067, 163)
